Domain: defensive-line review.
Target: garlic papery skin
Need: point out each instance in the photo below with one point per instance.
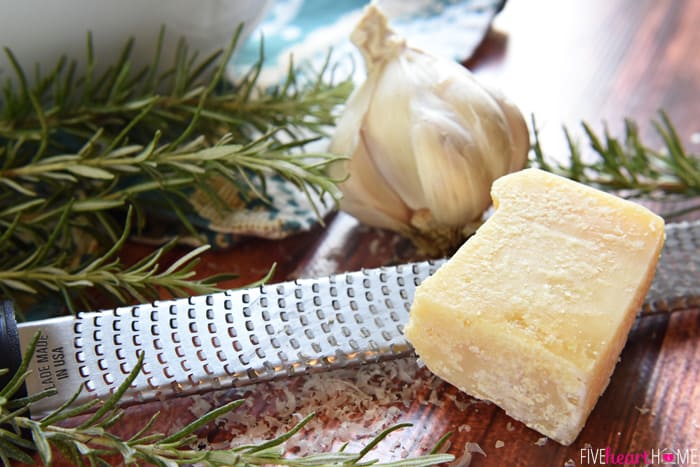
(424, 141)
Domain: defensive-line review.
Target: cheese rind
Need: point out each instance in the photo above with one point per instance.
(533, 311)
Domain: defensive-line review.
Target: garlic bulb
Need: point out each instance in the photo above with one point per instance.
(424, 139)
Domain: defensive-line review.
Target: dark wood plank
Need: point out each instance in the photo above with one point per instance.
(595, 60)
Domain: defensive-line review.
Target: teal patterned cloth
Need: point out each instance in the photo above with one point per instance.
(306, 30)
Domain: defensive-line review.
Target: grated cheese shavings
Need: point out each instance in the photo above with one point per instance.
(541, 441)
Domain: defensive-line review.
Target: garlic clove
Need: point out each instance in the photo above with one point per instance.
(481, 115)
(367, 194)
(452, 183)
(517, 129)
(386, 123)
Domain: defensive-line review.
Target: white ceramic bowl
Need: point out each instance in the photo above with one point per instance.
(40, 31)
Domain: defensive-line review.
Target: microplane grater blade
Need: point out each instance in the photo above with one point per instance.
(228, 339)
(676, 284)
(239, 337)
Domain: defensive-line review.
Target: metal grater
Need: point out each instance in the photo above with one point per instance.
(240, 337)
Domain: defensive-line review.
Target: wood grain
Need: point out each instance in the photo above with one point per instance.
(564, 61)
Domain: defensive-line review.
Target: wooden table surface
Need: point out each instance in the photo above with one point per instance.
(564, 61)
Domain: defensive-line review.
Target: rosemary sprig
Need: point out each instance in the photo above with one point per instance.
(90, 442)
(190, 94)
(48, 271)
(108, 179)
(627, 165)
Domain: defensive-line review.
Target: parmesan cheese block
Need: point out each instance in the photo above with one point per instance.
(532, 312)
